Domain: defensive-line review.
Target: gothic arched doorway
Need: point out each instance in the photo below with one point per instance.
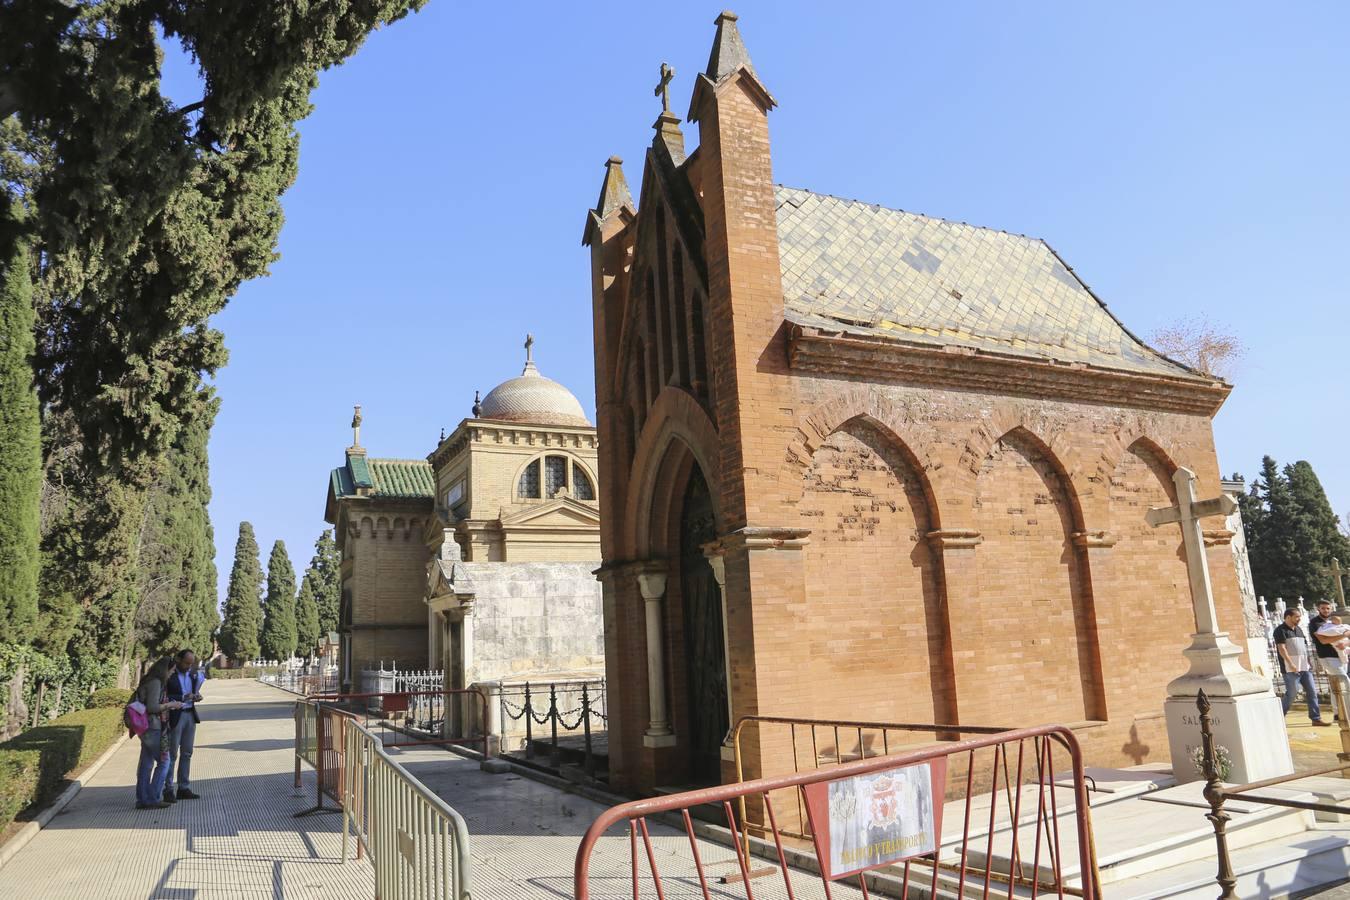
(704, 652)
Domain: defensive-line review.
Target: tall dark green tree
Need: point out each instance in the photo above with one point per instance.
(20, 438)
(327, 568)
(142, 218)
(1317, 531)
(239, 630)
(306, 617)
(1272, 549)
(177, 577)
(278, 634)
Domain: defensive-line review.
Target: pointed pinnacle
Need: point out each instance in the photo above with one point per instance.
(728, 51)
(614, 190)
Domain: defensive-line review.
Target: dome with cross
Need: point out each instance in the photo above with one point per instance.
(532, 398)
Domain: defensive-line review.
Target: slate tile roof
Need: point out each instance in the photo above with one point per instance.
(863, 269)
(392, 478)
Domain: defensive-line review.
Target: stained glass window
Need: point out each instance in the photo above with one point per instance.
(581, 484)
(555, 474)
(529, 481)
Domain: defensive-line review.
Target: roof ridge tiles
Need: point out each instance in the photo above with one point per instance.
(909, 212)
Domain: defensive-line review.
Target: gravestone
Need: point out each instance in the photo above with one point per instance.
(1246, 716)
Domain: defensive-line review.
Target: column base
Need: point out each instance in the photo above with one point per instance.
(658, 740)
(1250, 727)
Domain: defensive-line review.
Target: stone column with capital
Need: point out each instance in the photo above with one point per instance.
(652, 584)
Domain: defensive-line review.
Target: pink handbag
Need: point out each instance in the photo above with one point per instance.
(136, 719)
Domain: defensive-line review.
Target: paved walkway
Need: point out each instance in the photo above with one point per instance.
(239, 841)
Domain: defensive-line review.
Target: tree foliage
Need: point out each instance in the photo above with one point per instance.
(279, 634)
(306, 617)
(20, 440)
(1292, 534)
(148, 216)
(142, 218)
(327, 568)
(177, 570)
(242, 622)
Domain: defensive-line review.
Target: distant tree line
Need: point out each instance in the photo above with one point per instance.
(1292, 533)
(279, 623)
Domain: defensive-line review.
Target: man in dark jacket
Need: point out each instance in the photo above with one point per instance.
(185, 685)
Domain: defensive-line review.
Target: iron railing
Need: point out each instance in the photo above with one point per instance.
(588, 716)
(1025, 842)
(417, 843)
(1216, 795)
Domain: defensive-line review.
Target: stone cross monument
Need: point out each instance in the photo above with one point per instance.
(1337, 573)
(1246, 715)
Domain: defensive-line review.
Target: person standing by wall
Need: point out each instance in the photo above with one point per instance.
(153, 767)
(1295, 664)
(184, 686)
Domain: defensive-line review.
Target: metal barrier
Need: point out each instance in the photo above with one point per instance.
(1025, 759)
(418, 845)
(1216, 794)
(409, 718)
(320, 742)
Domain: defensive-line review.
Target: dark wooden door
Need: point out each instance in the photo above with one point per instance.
(705, 655)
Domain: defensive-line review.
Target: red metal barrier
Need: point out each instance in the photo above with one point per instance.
(411, 718)
(1016, 854)
(320, 740)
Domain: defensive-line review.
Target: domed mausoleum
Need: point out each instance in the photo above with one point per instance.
(477, 559)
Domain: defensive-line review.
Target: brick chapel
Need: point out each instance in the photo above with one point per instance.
(898, 464)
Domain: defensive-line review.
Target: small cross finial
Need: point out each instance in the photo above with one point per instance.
(663, 89)
(356, 426)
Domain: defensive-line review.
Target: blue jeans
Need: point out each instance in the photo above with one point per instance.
(152, 769)
(1291, 681)
(181, 739)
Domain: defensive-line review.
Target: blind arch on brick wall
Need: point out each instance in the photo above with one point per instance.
(873, 579)
(1034, 586)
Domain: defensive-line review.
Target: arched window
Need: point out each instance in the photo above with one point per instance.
(582, 488)
(529, 481)
(546, 477)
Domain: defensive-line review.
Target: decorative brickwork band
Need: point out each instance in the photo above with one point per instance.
(1218, 537)
(759, 537)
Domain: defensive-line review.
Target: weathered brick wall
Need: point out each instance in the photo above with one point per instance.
(388, 580)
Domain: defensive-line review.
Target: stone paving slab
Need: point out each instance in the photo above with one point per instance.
(239, 841)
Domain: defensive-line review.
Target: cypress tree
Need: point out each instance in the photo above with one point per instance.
(20, 440)
(278, 634)
(1317, 533)
(307, 616)
(243, 600)
(1273, 551)
(327, 568)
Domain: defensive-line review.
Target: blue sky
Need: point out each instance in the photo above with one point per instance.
(1186, 159)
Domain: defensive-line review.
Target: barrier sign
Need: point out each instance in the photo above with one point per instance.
(874, 820)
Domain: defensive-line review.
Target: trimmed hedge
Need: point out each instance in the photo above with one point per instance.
(109, 698)
(35, 765)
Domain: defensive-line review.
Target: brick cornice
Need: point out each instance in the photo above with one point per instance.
(1095, 540)
(884, 360)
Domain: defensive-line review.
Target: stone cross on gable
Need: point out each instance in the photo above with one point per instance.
(1337, 573)
(1188, 512)
(663, 89)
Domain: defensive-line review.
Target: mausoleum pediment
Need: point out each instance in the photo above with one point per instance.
(561, 512)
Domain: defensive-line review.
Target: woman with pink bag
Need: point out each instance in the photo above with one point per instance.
(153, 768)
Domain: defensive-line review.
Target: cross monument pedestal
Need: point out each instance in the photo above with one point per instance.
(1245, 714)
